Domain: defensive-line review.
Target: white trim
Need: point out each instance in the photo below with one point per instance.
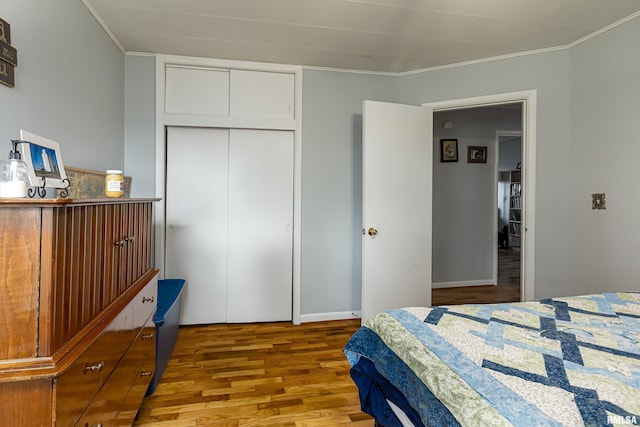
(500, 133)
(323, 317)
(603, 30)
(529, 119)
(482, 60)
(441, 285)
(194, 62)
(104, 25)
(163, 119)
(170, 119)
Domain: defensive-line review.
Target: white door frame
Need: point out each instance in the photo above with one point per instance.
(529, 119)
(499, 134)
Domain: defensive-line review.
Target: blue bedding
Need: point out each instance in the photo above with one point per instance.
(555, 362)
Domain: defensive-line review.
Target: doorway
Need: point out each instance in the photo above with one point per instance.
(509, 187)
(527, 102)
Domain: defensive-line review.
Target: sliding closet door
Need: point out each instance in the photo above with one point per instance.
(259, 281)
(196, 220)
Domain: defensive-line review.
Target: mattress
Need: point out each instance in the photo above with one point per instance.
(555, 362)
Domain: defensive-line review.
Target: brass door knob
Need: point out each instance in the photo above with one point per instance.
(372, 231)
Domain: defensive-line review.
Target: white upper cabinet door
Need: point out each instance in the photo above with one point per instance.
(197, 91)
(262, 94)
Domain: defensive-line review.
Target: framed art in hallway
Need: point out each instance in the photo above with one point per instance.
(448, 150)
(476, 154)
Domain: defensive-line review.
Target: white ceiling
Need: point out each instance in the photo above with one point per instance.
(376, 35)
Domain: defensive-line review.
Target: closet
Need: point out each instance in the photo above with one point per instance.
(229, 193)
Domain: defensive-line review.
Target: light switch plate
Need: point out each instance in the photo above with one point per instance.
(598, 201)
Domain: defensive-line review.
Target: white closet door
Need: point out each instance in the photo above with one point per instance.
(196, 220)
(259, 281)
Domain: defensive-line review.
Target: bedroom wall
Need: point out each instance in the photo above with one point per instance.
(548, 73)
(140, 123)
(604, 149)
(69, 83)
(464, 197)
(331, 260)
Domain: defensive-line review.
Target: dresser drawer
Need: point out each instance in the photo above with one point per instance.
(118, 400)
(144, 352)
(78, 385)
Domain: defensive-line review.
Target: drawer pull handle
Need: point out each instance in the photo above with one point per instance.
(145, 374)
(147, 337)
(94, 368)
(97, 425)
(149, 299)
(126, 240)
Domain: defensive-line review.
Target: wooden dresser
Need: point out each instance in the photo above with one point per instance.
(77, 295)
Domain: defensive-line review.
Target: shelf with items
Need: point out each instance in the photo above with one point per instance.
(515, 209)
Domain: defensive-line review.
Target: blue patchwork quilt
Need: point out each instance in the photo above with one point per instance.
(555, 362)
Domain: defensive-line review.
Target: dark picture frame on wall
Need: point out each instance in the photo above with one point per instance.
(476, 154)
(448, 150)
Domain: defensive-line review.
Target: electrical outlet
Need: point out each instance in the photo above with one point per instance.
(598, 201)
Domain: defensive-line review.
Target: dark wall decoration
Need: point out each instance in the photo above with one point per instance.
(8, 55)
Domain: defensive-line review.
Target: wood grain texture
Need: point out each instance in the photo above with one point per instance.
(271, 374)
(36, 395)
(19, 267)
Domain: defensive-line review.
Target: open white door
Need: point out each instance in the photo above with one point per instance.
(397, 188)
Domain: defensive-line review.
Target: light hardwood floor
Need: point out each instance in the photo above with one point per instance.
(271, 374)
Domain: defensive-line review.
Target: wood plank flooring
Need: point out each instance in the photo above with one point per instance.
(271, 374)
(507, 289)
(279, 374)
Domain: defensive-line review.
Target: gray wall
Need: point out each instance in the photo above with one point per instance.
(69, 83)
(332, 186)
(464, 205)
(140, 124)
(604, 150)
(549, 74)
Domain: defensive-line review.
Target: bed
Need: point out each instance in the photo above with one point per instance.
(554, 362)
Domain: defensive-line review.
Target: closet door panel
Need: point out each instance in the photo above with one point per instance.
(259, 282)
(196, 220)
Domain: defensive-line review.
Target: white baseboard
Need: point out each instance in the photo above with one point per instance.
(461, 284)
(322, 317)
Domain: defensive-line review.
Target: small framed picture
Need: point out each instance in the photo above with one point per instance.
(44, 161)
(476, 154)
(448, 150)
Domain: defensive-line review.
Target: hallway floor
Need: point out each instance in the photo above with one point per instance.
(507, 289)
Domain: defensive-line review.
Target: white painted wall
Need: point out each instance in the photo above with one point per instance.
(69, 83)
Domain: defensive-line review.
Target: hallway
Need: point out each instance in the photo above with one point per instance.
(507, 290)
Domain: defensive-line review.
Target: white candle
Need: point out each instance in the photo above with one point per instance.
(13, 189)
